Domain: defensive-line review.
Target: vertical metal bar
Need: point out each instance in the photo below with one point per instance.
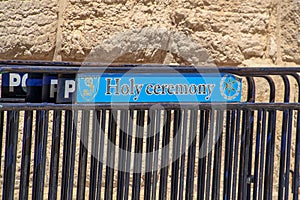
(270, 155)
(268, 175)
(102, 122)
(72, 156)
(156, 148)
(242, 157)
(236, 155)
(128, 153)
(249, 144)
(204, 120)
(219, 144)
(1, 135)
(289, 135)
(26, 152)
(94, 155)
(122, 147)
(229, 172)
(66, 154)
(246, 145)
(110, 154)
(176, 153)
(40, 154)
(149, 153)
(262, 153)
(182, 158)
(283, 149)
(296, 176)
(227, 154)
(54, 164)
(69, 154)
(228, 151)
(248, 155)
(217, 156)
(10, 155)
(242, 192)
(191, 155)
(209, 153)
(84, 135)
(165, 157)
(138, 155)
(288, 158)
(257, 150)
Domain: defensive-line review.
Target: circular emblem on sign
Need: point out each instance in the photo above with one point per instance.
(230, 87)
(89, 87)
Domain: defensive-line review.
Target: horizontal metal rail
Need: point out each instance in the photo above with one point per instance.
(143, 106)
(253, 71)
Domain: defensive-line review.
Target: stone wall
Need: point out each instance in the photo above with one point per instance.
(28, 29)
(231, 32)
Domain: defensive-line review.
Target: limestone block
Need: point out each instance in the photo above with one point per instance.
(290, 31)
(28, 29)
(218, 26)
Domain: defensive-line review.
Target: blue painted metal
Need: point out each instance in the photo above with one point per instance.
(157, 87)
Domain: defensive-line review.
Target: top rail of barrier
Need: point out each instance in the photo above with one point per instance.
(248, 73)
(251, 71)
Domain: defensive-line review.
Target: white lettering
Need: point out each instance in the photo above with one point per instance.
(53, 87)
(14, 80)
(24, 79)
(69, 88)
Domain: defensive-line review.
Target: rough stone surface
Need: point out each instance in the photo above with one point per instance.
(228, 32)
(150, 45)
(290, 31)
(28, 29)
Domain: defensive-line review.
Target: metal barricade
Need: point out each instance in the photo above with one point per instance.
(104, 151)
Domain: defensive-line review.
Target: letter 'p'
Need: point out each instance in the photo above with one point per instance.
(14, 80)
(69, 88)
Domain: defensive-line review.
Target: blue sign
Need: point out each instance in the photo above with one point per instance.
(109, 87)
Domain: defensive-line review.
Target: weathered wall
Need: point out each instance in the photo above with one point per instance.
(232, 32)
(28, 29)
